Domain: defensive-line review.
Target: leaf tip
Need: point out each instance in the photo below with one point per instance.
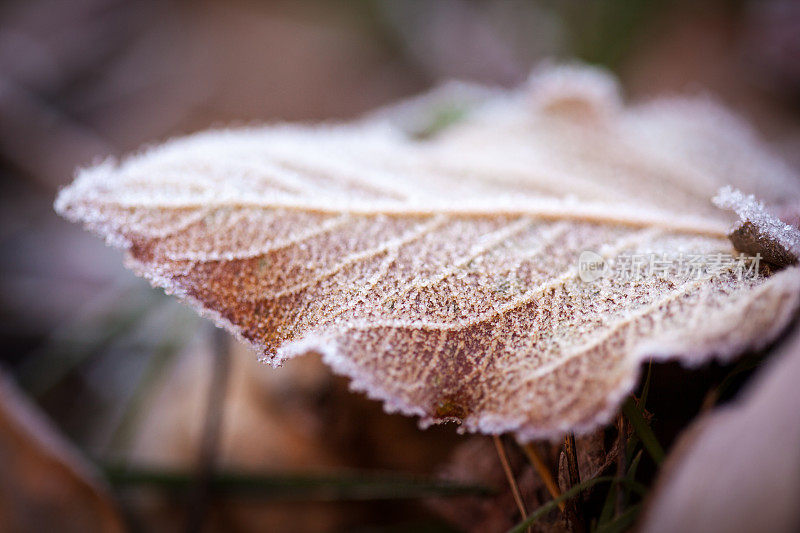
(758, 231)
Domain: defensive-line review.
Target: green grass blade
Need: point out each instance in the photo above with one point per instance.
(308, 487)
(607, 513)
(623, 522)
(643, 431)
(177, 333)
(571, 493)
(631, 474)
(120, 310)
(646, 386)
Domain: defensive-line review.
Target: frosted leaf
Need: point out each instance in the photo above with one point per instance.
(758, 231)
(440, 272)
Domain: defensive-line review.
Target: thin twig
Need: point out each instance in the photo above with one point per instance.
(212, 429)
(573, 508)
(539, 464)
(501, 452)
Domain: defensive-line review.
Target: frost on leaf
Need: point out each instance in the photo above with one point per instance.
(440, 271)
(758, 231)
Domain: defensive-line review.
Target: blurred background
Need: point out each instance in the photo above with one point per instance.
(153, 420)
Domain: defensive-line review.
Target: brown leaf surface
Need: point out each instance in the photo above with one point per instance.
(440, 273)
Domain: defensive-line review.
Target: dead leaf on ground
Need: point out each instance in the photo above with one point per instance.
(441, 273)
(46, 485)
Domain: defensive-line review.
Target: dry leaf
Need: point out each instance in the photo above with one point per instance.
(738, 468)
(441, 273)
(46, 485)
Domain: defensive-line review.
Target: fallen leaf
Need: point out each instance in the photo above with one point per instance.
(736, 469)
(441, 274)
(46, 485)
